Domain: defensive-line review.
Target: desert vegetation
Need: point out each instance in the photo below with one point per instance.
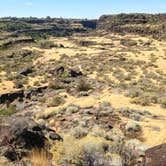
(73, 93)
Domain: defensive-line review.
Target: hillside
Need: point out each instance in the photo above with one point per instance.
(83, 92)
(144, 24)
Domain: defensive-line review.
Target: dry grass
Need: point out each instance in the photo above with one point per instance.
(39, 157)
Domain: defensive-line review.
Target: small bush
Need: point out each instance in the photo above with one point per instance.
(85, 43)
(133, 130)
(162, 102)
(8, 111)
(46, 44)
(71, 109)
(55, 84)
(79, 132)
(135, 92)
(144, 101)
(56, 101)
(83, 86)
(128, 42)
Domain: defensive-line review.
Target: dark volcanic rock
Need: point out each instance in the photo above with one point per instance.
(26, 133)
(34, 92)
(21, 94)
(155, 156)
(21, 135)
(75, 73)
(10, 97)
(54, 136)
(26, 71)
(121, 23)
(59, 70)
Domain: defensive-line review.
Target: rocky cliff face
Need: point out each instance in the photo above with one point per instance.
(146, 24)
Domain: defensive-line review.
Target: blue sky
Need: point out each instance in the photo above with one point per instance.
(78, 8)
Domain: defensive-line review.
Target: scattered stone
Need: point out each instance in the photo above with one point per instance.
(75, 72)
(54, 136)
(26, 71)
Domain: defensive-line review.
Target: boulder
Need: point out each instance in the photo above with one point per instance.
(75, 72)
(34, 92)
(155, 156)
(23, 134)
(10, 97)
(26, 133)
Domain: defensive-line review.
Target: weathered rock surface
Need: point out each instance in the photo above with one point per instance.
(155, 156)
(26, 71)
(9, 97)
(21, 135)
(121, 23)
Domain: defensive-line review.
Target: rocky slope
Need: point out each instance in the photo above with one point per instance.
(92, 97)
(145, 24)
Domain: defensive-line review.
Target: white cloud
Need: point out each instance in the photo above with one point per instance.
(28, 3)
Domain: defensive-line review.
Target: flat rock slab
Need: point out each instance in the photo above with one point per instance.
(155, 156)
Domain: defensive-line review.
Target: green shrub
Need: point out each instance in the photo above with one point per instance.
(79, 132)
(8, 111)
(72, 109)
(55, 101)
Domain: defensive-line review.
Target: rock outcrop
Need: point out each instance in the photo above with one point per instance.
(23, 134)
(155, 156)
(145, 24)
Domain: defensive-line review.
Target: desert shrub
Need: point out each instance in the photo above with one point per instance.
(55, 84)
(146, 99)
(83, 86)
(18, 84)
(134, 92)
(115, 135)
(68, 152)
(72, 109)
(128, 42)
(36, 83)
(84, 153)
(134, 114)
(8, 111)
(162, 102)
(55, 101)
(79, 132)
(64, 75)
(132, 150)
(50, 112)
(85, 43)
(46, 44)
(96, 151)
(97, 131)
(133, 130)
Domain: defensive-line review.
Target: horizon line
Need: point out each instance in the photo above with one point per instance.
(61, 17)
